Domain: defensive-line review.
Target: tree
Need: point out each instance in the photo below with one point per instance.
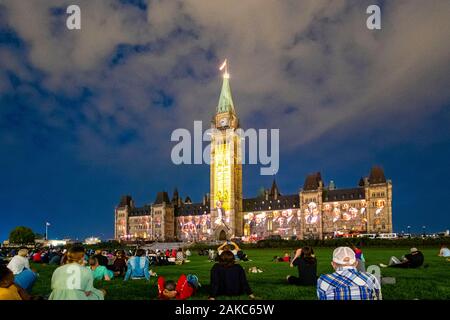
(21, 235)
(39, 236)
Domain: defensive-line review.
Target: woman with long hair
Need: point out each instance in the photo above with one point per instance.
(228, 278)
(306, 263)
(73, 281)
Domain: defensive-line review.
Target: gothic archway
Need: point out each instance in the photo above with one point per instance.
(222, 235)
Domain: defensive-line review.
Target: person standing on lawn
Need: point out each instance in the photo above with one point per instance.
(347, 283)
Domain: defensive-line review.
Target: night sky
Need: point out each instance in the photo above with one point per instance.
(86, 116)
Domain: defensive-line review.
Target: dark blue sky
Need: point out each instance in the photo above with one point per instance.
(85, 119)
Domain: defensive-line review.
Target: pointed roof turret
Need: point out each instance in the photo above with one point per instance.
(274, 191)
(175, 196)
(332, 185)
(188, 200)
(361, 182)
(377, 175)
(225, 100)
(313, 181)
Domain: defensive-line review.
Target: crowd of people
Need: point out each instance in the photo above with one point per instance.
(78, 268)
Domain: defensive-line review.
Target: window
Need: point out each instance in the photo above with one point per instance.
(269, 225)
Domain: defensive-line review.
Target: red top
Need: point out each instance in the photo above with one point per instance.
(174, 253)
(37, 257)
(183, 288)
(286, 259)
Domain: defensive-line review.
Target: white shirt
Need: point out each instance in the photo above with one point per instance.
(18, 263)
(445, 252)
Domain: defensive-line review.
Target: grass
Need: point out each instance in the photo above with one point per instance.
(423, 283)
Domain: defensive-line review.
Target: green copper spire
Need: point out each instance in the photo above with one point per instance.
(225, 100)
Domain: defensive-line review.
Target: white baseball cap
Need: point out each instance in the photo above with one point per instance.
(344, 256)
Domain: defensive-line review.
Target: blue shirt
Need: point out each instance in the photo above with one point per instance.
(138, 267)
(347, 283)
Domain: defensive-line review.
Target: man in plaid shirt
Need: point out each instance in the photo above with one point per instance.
(347, 283)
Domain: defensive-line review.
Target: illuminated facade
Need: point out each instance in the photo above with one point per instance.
(316, 211)
(226, 169)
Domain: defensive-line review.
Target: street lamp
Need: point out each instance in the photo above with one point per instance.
(409, 232)
(423, 229)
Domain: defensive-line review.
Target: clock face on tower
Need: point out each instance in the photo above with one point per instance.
(223, 122)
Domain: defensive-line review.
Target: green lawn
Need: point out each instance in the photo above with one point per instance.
(423, 283)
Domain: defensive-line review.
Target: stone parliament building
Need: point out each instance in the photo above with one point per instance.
(317, 211)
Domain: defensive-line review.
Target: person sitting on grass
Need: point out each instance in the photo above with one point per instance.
(228, 245)
(56, 258)
(73, 281)
(37, 257)
(234, 248)
(102, 260)
(228, 278)
(414, 259)
(138, 266)
(347, 283)
(119, 266)
(179, 256)
(285, 258)
(8, 289)
(185, 287)
(24, 277)
(307, 268)
(361, 266)
(99, 272)
(212, 255)
(444, 252)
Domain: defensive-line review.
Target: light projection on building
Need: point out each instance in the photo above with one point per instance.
(345, 211)
(194, 228)
(311, 213)
(223, 217)
(380, 207)
(222, 169)
(258, 225)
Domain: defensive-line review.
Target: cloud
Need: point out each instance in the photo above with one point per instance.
(311, 68)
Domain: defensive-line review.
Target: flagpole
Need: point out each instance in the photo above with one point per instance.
(46, 230)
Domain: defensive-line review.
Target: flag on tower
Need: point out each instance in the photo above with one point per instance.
(224, 64)
(47, 224)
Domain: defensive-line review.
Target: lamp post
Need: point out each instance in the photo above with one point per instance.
(423, 231)
(409, 231)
